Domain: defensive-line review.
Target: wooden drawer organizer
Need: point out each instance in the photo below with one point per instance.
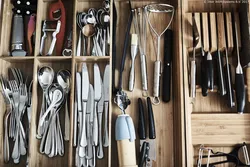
(208, 120)
(167, 117)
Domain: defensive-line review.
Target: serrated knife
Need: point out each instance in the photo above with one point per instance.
(98, 94)
(106, 90)
(85, 92)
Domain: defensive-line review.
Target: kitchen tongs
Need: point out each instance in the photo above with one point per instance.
(232, 157)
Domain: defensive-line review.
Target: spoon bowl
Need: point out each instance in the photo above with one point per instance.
(88, 30)
(64, 80)
(45, 77)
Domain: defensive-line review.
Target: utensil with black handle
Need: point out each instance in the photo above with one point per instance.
(239, 76)
(168, 54)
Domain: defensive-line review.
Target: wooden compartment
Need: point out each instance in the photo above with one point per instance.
(208, 120)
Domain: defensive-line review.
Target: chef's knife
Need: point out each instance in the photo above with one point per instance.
(245, 44)
(106, 93)
(98, 94)
(239, 76)
(85, 92)
(100, 111)
(168, 54)
(89, 122)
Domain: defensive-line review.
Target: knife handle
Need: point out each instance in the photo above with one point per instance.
(152, 134)
(95, 126)
(240, 92)
(143, 154)
(248, 82)
(168, 54)
(204, 77)
(221, 75)
(210, 72)
(141, 125)
(230, 95)
(106, 136)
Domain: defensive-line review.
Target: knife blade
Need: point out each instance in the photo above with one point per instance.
(85, 92)
(100, 111)
(98, 94)
(89, 115)
(106, 94)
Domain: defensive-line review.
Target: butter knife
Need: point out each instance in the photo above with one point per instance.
(89, 116)
(100, 111)
(98, 94)
(85, 92)
(106, 91)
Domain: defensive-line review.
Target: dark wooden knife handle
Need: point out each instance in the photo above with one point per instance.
(210, 74)
(168, 54)
(240, 92)
(141, 122)
(204, 77)
(151, 123)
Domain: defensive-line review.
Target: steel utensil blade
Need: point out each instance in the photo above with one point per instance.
(101, 101)
(90, 102)
(97, 82)
(85, 82)
(106, 83)
(78, 86)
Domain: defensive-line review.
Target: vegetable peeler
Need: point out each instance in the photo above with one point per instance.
(47, 27)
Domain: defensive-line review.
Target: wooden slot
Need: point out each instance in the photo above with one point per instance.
(198, 23)
(229, 35)
(189, 32)
(43, 14)
(205, 31)
(212, 32)
(36, 158)
(4, 71)
(221, 31)
(237, 20)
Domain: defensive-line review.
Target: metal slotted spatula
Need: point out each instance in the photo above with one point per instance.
(158, 9)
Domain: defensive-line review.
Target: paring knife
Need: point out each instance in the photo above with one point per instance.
(89, 114)
(100, 111)
(85, 92)
(98, 94)
(168, 54)
(106, 94)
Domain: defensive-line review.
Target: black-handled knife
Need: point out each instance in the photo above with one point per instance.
(141, 122)
(220, 71)
(204, 86)
(239, 76)
(210, 71)
(168, 54)
(151, 123)
(114, 47)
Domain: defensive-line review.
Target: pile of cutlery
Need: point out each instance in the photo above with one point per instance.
(54, 96)
(93, 24)
(17, 97)
(89, 103)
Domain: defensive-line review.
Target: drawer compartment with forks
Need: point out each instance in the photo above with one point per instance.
(16, 89)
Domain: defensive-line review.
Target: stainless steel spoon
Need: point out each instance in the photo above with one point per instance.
(45, 79)
(64, 79)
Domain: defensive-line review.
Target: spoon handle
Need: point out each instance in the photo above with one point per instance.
(39, 128)
(88, 48)
(66, 128)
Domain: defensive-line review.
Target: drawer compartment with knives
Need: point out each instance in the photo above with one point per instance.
(216, 110)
